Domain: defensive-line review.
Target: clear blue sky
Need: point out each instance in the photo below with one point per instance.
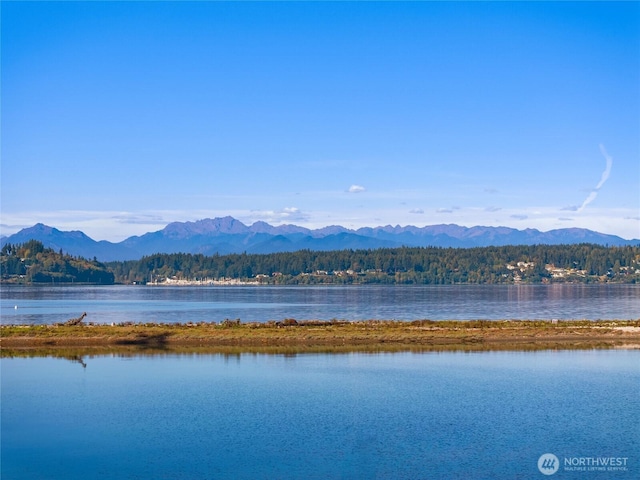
(118, 117)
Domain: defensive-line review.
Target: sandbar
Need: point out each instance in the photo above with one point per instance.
(336, 335)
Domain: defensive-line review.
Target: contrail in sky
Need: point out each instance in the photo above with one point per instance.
(605, 175)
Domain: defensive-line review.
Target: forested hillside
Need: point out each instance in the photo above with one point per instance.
(411, 265)
(31, 262)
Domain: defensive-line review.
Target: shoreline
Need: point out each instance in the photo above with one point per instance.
(318, 335)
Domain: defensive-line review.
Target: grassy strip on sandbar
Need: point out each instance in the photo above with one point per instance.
(311, 334)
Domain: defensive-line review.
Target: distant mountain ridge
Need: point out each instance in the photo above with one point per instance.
(227, 235)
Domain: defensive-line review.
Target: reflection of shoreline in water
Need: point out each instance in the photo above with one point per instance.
(83, 355)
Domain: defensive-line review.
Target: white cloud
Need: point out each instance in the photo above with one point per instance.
(448, 210)
(6, 229)
(287, 214)
(356, 189)
(139, 219)
(418, 211)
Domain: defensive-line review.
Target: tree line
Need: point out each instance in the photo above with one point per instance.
(406, 265)
(31, 262)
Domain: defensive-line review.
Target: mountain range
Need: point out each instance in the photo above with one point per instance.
(227, 235)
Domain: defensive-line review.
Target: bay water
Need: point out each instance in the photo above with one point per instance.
(141, 304)
(403, 415)
(487, 415)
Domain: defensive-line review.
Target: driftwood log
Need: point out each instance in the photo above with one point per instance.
(76, 321)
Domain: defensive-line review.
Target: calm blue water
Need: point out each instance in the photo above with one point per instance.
(347, 416)
(37, 305)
